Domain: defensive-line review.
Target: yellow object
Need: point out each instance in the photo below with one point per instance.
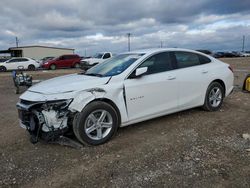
(247, 86)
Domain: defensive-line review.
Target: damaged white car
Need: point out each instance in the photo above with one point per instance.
(129, 88)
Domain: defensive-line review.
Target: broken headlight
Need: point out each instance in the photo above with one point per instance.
(57, 105)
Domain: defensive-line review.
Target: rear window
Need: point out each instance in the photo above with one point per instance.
(203, 59)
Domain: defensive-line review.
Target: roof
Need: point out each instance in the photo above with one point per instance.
(153, 50)
(37, 46)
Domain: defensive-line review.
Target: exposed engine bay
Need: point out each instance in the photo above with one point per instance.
(45, 120)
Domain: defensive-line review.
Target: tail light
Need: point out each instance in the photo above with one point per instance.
(231, 69)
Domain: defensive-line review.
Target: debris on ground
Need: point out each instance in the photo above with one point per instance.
(246, 136)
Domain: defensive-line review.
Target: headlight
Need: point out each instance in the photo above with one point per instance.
(86, 62)
(57, 105)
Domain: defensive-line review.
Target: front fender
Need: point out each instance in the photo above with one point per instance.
(82, 98)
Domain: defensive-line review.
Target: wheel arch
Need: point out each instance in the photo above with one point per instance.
(221, 82)
(110, 102)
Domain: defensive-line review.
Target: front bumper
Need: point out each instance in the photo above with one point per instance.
(40, 123)
(85, 66)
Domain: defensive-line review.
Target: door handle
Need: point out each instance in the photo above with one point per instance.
(171, 78)
(204, 72)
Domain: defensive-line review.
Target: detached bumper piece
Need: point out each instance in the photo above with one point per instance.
(44, 120)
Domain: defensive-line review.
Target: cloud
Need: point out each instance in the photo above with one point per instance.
(103, 25)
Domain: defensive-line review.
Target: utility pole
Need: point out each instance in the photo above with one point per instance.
(243, 43)
(129, 35)
(17, 41)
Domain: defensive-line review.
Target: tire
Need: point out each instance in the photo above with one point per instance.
(77, 65)
(214, 97)
(3, 69)
(52, 67)
(31, 67)
(96, 124)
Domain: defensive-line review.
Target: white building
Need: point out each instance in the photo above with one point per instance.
(37, 52)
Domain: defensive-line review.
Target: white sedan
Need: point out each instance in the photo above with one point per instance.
(19, 63)
(129, 88)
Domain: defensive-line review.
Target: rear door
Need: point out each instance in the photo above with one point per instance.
(192, 75)
(24, 62)
(154, 93)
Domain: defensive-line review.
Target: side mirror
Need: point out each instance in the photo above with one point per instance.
(139, 72)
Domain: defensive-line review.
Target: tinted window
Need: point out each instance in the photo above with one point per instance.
(203, 59)
(158, 63)
(186, 59)
(23, 60)
(66, 57)
(15, 60)
(106, 56)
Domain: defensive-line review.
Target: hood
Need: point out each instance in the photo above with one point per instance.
(68, 83)
(92, 60)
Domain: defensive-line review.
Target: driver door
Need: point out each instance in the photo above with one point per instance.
(155, 93)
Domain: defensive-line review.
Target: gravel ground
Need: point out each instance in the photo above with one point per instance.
(191, 148)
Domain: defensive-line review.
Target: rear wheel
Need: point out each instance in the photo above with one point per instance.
(214, 97)
(31, 67)
(96, 124)
(52, 67)
(3, 69)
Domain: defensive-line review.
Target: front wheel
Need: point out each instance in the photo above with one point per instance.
(3, 69)
(96, 124)
(52, 67)
(214, 97)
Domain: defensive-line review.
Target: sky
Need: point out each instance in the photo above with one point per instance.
(102, 25)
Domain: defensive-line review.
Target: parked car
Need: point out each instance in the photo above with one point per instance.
(44, 60)
(3, 59)
(218, 54)
(127, 89)
(19, 63)
(98, 58)
(208, 52)
(64, 61)
(245, 54)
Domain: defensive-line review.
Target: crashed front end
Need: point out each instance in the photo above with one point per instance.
(46, 120)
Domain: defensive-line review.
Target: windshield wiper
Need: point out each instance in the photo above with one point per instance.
(94, 74)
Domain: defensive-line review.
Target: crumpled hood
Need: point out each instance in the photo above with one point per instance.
(68, 83)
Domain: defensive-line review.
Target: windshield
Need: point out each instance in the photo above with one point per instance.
(98, 55)
(113, 66)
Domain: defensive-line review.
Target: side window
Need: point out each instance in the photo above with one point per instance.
(158, 63)
(106, 56)
(186, 59)
(12, 61)
(203, 59)
(23, 60)
(15, 60)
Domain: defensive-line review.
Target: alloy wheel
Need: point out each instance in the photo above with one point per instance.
(98, 124)
(215, 97)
